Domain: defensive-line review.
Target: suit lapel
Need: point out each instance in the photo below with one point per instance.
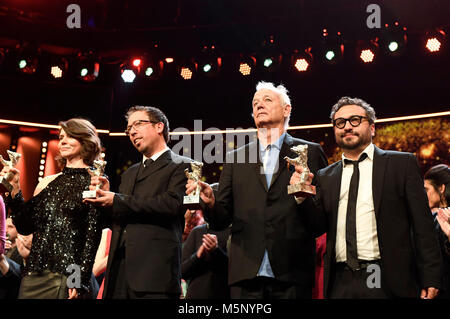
(285, 151)
(162, 161)
(258, 166)
(129, 183)
(379, 166)
(335, 187)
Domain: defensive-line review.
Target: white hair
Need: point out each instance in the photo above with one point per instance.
(282, 93)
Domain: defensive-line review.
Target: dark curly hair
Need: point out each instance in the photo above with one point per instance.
(84, 132)
(343, 101)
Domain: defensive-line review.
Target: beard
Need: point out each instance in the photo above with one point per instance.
(353, 144)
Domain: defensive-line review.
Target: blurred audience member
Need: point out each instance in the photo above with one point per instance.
(193, 218)
(321, 247)
(437, 185)
(101, 260)
(204, 263)
(2, 226)
(11, 246)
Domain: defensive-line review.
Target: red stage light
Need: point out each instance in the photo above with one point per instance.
(137, 62)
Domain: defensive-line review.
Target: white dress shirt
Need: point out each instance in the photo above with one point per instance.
(366, 226)
(155, 156)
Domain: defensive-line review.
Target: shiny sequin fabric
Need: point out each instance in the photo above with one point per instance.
(65, 231)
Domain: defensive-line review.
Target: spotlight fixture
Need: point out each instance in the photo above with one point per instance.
(137, 62)
(58, 67)
(270, 62)
(130, 69)
(332, 48)
(246, 65)
(394, 39)
(367, 50)
(209, 61)
(211, 66)
(187, 69)
(270, 58)
(88, 67)
(434, 40)
(27, 58)
(302, 60)
(153, 69)
(128, 75)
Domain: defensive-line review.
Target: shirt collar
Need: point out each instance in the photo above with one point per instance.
(155, 156)
(278, 143)
(369, 150)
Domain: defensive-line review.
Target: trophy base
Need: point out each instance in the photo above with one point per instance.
(192, 202)
(301, 190)
(90, 194)
(5, 185)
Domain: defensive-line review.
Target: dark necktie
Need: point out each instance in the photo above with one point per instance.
(350, 224)
(142, 168)
(148, 162)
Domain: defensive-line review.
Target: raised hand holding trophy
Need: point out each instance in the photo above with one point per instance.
(192, 201)
(301, 189)
(13, 159)
(99, 168)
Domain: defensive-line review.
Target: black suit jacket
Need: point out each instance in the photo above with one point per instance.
(266, 217)
(410, 256)
(149, 208)
(207, 276)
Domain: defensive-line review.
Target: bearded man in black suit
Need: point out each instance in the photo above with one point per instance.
(380, 241)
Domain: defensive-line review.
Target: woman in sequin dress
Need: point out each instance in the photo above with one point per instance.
(66, 232)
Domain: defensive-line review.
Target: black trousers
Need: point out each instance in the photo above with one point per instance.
(356, 284)
(118, 286)
(269, 288)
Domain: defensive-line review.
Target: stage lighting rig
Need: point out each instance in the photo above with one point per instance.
(332, 47)
(435, 40)
(247, 64)
(58, 67)
(367, 50)
(153, 69)
(269, 60)
(302, 60)
(187, 69)
(394, 39)
(209, 62)
(27, 58)
(130, 69)
(88, 67)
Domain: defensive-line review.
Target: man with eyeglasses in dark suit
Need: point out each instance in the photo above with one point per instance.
(147, 213)
(380, 240)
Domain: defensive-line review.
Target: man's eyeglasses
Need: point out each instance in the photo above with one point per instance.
(137, 124)
(354, 120)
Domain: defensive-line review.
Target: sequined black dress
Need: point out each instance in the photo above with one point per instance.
(65, 231)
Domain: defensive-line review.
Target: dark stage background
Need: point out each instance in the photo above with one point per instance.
(415, 82)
